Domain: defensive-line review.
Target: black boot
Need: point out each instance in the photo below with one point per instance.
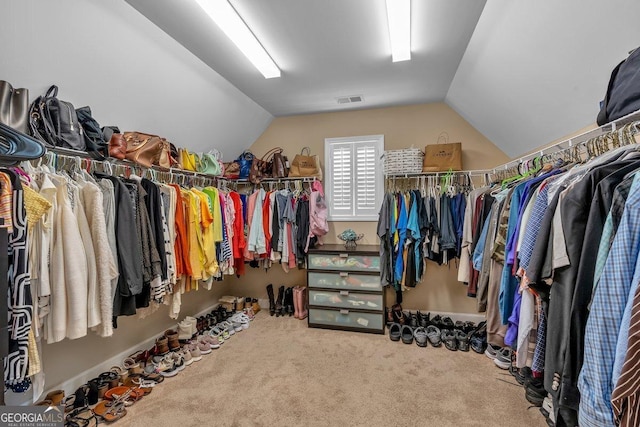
(279, 301)
(272, 304)
(288, 301)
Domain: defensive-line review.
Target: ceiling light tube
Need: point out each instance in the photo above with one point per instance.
(399, 17)
(226, 17)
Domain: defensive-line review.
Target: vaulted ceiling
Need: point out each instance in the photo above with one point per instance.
(523, 73)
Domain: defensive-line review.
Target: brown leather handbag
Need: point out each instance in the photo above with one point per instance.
(117, 146)
(146, 150)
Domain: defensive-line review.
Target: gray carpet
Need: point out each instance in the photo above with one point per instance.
(280, 373)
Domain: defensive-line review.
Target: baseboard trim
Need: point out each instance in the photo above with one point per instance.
(463, 317)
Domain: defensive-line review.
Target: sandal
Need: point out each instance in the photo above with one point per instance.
(123, 393)
(110, 411)
(111, 378)
(122, 372)
(81, 417)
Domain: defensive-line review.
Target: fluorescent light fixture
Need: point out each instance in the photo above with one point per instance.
(399, 17)
(226, 17)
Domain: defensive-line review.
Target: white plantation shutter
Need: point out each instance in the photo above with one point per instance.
(354, 177)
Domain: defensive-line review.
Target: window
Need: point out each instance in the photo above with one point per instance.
(354, 177)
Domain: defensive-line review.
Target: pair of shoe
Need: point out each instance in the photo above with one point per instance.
(430, 334)
(280, 306)
(455, 339)
(442, 323)
(398, 332)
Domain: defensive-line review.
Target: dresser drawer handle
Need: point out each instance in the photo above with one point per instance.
(345, 312)
(344, 274)
(344, 255)
(344, 293)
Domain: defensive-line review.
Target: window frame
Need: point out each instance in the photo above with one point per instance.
(378, 144)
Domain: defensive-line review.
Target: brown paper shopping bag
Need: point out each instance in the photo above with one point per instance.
(304, 164)
(442, 157)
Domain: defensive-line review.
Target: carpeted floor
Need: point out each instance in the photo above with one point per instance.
(280, 373)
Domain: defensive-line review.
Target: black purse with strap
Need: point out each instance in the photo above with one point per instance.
(55, 122)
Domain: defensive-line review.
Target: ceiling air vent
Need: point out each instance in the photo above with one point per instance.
(350, 99)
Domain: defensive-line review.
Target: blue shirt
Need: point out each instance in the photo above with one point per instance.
(603, 325)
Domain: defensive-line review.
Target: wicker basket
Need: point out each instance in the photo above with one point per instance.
(405, 161)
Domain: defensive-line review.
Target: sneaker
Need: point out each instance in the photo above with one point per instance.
(463, 340)
(517, 374)
(478, 338)
(178, 361)
(204, 347)
(447, 323)
(213, 343)
(420, 334)
(433, 333)
(196, 356)
(492, 351)
(503, 358)
(547, 410)
(449, 339)
(535, 392)
(186, 356)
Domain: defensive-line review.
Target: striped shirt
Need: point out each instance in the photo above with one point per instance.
(625, 398)
(603, 324)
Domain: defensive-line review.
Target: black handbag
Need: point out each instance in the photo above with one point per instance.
(623, 93)
(55, 122)
(94, 139)
(14, 106)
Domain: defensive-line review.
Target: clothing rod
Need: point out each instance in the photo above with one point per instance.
(84, 155)
(575, 140)
(472, 172)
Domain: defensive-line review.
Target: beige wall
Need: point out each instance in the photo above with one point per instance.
(402, 127)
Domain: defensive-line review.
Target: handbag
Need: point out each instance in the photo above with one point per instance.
(210, 163)
(274, 164)
(623, 91)
(145, 149)
(118, 146)
(442, 157)
(55, 122)
(263, 167)
(14, 106)
(165, 155)
(188, 160)
(231, 170)
(93, 134)
(245, 160)
(304, 165)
